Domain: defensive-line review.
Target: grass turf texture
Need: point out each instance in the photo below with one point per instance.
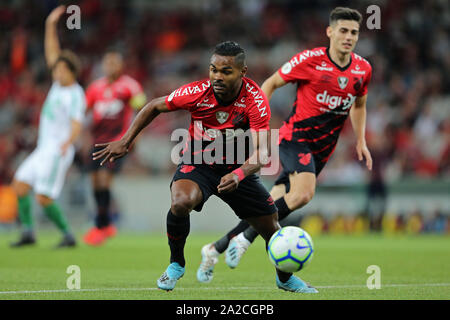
(128, 266)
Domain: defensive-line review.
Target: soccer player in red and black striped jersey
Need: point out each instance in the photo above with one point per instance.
(331, 84)
(112, 100)
(226, 104)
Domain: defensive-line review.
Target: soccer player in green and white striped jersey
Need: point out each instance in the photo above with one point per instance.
(44, 170)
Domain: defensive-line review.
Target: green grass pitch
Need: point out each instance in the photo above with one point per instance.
(127, 267)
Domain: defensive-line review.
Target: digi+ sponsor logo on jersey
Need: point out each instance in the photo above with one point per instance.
(109, 109)
(335, 101)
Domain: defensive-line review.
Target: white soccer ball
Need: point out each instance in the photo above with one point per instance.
(290, 249)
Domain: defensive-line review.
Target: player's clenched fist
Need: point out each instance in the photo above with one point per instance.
(111, 151)
(228, 183)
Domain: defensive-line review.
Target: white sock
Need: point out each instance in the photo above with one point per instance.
(213, 250)
(243, 240)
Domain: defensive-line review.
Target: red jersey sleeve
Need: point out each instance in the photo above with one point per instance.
(295, 69)
(365, 87)
(90, 96)
(133, 87)
(134, 93)
(259, 113)
(185, 97)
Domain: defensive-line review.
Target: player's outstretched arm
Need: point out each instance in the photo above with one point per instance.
(51, 42)
(358, 119)
(271, 84)
(259, 158)
(118, 149)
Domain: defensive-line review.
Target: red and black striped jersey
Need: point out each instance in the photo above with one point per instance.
(111, 107)
(325, 94)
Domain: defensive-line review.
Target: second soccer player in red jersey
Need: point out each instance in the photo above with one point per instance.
(331, 84)
(112, 100)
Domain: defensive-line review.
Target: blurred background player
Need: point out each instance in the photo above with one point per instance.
(60, 124)
(223, 103)
(112, 100)
(330, 80)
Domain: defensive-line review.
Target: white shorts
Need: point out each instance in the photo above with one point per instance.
(45, 170)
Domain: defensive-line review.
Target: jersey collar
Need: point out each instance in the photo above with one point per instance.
(224, 103)
(336, 65)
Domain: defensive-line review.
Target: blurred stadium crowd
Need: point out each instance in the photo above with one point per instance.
(169, 43)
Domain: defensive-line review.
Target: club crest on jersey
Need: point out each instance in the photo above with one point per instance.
(222, 116)
(342, 81)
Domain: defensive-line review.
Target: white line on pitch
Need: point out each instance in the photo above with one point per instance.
(387, 285)
(216, 288)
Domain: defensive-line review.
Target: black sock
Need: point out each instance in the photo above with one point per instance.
(222, 244)
(250, 234)
(283, 276)
(177, 232)
(283, 209)
(103, 199)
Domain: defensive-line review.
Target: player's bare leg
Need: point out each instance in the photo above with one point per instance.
(302, 190)
(278, 191)
(185, 196)
(266, 226)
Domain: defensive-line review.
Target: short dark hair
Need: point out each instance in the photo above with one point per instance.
(231, 49)
(72, 61)
(115, 49)
(341, 13)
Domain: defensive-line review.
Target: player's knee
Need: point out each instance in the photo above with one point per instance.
(44, 201)
(21, 189)
(299, 198)
(182, 205)
(102, 179)
(102, 184)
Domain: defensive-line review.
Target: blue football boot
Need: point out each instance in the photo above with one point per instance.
(295, 284)
(169, 278)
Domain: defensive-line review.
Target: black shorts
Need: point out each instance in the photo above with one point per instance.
(250, 199)
(297, 157)
(94, 165)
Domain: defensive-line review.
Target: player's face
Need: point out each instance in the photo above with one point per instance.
(62, 73)
(112, 64)
(343, 35)
(225, 76)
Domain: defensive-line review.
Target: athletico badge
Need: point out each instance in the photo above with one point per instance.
(342, 81)
(222, 116)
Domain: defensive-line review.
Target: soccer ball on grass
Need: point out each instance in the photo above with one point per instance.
(290, 249)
